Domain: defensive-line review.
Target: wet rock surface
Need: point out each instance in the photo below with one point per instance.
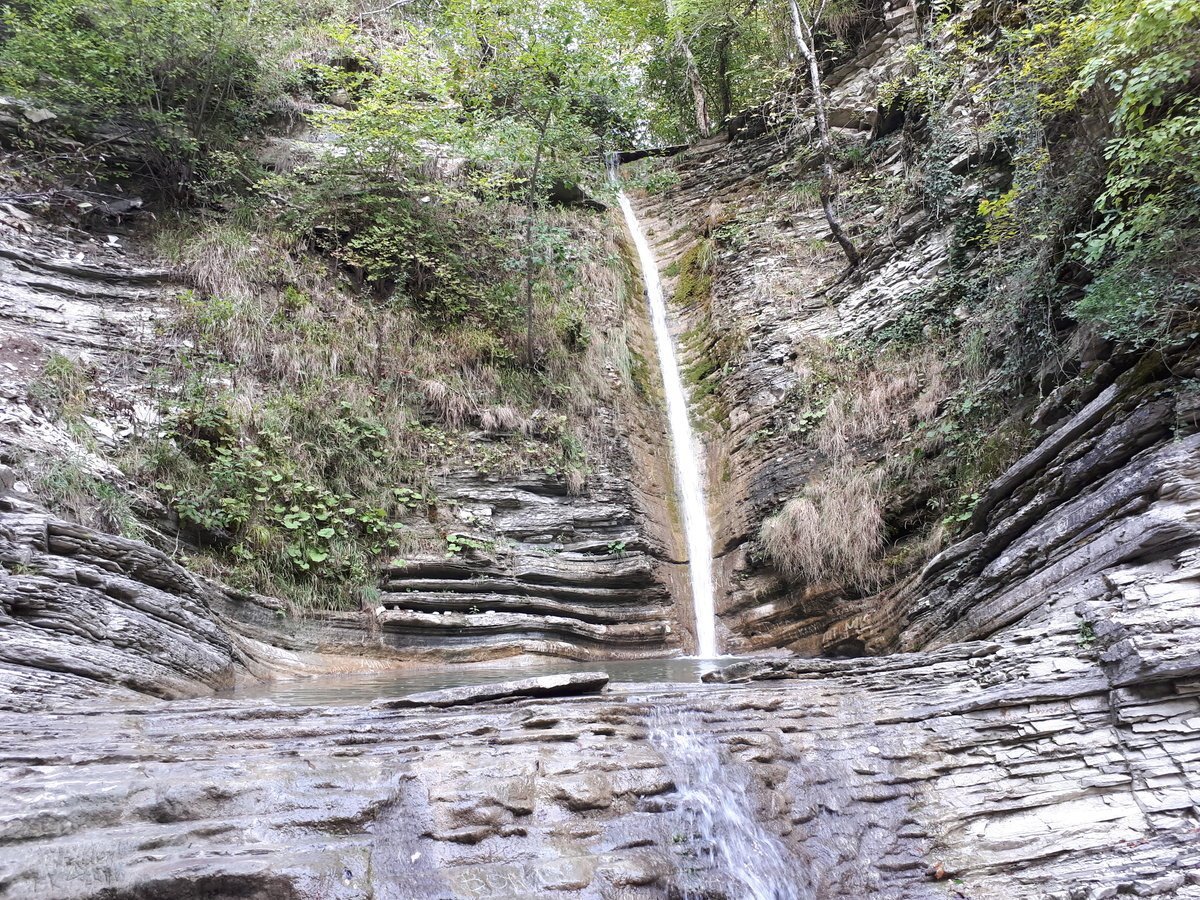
(542, 686)
(1040, 764)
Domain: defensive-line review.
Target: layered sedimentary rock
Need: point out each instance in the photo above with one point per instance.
(566, 573)
(1108, 478)
(571, 576)
(1053, 761)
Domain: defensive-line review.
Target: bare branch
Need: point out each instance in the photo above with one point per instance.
(395, 4)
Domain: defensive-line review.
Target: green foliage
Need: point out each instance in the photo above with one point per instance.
(186, 79)
(1132, 62)
(275, 507)
(456, 543)
(695, 268)
(1087, 635)
(999, 216)
(1137, 308)
(651, 175)
(961, 510)
(437, 252)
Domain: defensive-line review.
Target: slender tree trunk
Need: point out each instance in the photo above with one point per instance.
(803, 33)
(530, 256)
(723, 79)
(699, 95)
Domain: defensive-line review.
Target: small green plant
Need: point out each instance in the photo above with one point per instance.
(456, 543)
(659, 182)
(806, 193)
(62, 388)
(1087, 635)
(961, 510)
(616, 548)
(1136, 308)
(735, 234)
(807, 420)
(856, 155)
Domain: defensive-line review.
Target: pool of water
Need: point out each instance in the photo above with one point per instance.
(334, 690)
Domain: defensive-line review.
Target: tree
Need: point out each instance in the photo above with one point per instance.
(699, 94)
(535, 79)
(807, 16)
(186, 81)
(711, 25)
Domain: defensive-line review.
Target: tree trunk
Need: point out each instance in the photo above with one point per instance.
(803, 33)
(723, 80)
(699, 95)
(530, 256)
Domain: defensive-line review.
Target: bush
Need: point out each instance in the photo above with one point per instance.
(1136, 308)
(184, 80)
(832, 532)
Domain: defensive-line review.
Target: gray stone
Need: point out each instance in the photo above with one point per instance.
(542, 686)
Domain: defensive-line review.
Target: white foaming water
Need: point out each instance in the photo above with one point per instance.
(687, 464)
(717, 828)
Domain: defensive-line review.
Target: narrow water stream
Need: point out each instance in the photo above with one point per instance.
(723, 848)
(688, 480)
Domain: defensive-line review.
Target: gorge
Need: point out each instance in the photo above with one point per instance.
(694, 512)
(396, 502)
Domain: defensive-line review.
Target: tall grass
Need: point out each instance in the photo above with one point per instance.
(884, 404)
(832, 532)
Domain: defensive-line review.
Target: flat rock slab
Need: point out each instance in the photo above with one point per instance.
(544, 686)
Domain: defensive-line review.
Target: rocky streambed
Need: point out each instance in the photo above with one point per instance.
(1034, 765)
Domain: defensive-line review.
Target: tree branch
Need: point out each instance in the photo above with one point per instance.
(383, 9)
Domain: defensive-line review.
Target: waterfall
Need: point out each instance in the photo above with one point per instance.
(688, 483)
(717, 834)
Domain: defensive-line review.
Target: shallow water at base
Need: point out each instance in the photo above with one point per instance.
(337, 690)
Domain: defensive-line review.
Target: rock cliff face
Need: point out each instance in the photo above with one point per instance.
(1022, 721)
(763, 314)
(569, 575)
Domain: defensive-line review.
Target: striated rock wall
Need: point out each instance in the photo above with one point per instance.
(568, 575)
(1049, 763)
(1108, 478)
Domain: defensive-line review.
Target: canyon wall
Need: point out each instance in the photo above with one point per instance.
(553, 570)
(1098, 457)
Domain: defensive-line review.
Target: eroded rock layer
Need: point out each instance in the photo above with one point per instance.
(1050, 762)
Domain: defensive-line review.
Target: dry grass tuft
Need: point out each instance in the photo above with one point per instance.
(504, 419)
(450, 406)
(576, 481)
(894, 395)
(832, 532)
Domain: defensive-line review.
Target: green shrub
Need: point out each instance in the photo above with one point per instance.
(1137, 308)
(186, 80)
(311, 502)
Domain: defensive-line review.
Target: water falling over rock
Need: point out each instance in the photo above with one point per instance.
(718, 833)
(689, 483)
